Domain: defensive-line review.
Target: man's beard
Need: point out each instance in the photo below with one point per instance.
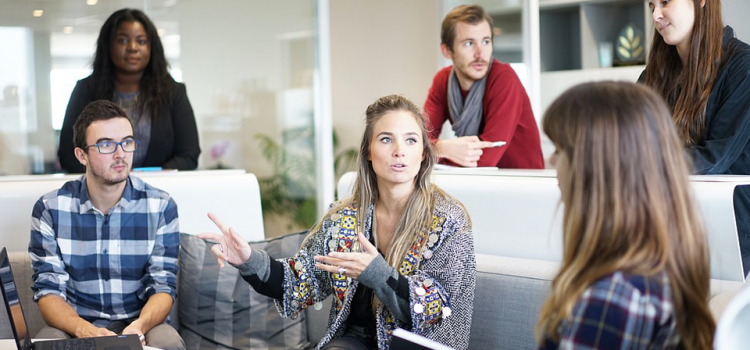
(109, 180)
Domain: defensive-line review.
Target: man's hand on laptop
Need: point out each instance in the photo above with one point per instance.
(464, 151)
(134, 328)
(92, 331)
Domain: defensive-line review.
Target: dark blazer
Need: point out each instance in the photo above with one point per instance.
(174, 135)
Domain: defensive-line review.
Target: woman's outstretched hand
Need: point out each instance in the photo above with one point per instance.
(230, 247)
(351, 264)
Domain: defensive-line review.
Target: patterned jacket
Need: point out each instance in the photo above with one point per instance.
(440, 269)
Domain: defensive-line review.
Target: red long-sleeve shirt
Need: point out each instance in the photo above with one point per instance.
(506, 116)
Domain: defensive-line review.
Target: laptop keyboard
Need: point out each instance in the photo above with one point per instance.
(74, 344)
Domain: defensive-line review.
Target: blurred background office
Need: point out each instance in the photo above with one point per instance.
(279, 87)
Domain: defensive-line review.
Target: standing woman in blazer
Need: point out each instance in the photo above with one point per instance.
(635, 268)
(703, 72)
(130, 69)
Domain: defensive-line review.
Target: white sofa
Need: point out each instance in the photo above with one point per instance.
(516, 237)
(232, 194)
(516, 218)
(517, 213)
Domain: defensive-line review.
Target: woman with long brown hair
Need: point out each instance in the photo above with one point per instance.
(703, 72)
(635, 269)
(398, 253)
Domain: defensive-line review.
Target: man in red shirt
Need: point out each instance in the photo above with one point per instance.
(483, 99)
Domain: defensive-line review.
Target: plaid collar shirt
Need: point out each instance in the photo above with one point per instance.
(621, 311)
(104, 266)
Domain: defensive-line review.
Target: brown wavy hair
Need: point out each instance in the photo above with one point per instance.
(471, 14)
(628, 205)
(686, 88)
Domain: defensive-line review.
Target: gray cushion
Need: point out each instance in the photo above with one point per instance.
(317, 321)
(507, 301)
(506, 309)
(219, 310)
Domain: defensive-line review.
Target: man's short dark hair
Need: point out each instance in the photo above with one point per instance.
(471, 14)
(95, 111)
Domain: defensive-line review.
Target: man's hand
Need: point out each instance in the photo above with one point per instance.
(89, 330)
(464, 151)
(135, 328)
(58, 314)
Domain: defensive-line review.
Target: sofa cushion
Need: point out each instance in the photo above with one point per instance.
(507, 301)
(219, 310)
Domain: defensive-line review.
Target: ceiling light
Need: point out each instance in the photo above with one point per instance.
(67, 29)
(91, 2)
(38, 13)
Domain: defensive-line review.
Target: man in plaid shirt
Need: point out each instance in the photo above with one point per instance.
(104, 247)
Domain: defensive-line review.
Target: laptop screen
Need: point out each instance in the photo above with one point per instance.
(13, 303)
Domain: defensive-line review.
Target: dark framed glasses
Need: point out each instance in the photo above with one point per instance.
(109, 147)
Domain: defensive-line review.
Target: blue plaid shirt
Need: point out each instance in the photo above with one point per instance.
(621, 311)
(105, 266)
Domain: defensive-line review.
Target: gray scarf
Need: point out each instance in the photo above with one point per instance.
(466, 116)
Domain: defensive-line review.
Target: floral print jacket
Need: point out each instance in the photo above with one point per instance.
(440, 269)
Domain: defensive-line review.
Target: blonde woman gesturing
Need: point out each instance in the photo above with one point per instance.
(398, 253)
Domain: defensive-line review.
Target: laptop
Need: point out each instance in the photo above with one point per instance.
(21, 330)
(402, 339)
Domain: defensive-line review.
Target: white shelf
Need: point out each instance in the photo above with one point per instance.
(571, 30)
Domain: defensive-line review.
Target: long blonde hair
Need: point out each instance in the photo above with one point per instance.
(627, 204)
(417, 214)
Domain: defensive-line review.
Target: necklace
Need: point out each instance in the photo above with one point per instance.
(375, 228)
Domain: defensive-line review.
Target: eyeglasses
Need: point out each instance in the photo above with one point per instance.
(109, 147)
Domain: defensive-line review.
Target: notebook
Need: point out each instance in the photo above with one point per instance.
(402, 339)
(20, 328)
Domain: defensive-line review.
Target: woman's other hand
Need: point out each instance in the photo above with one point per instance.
(351, 264)
(230, 247)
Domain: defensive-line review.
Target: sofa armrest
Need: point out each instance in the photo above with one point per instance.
(722, 292)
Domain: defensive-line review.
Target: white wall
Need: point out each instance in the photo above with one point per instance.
(735, 15)
(379, 48)
(235, 57)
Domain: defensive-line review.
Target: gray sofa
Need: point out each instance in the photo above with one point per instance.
(507, 301)
(508, 297)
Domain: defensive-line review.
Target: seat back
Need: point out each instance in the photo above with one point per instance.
(233, 195)
(731, 330)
